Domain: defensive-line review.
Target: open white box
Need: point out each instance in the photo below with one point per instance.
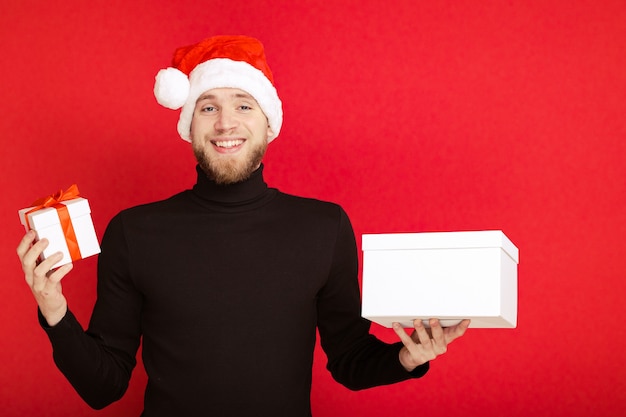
(446, 275)
(47, 224)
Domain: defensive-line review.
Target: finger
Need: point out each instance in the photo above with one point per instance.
(422, 334)
(30, 252)
(25, 243)
(56, 275)
(43, 270)
(31, 258)
(457, 331)
(437, 332)
(404, 337)
(412, 354)
(463, 325)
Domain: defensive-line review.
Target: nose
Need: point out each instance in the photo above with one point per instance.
(226, 120)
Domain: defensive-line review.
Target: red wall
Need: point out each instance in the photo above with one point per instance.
(415, 116)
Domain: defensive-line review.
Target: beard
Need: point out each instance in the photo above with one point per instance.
(225, 171)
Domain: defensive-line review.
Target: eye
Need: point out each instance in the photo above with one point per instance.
(245, 107)
(207, 109)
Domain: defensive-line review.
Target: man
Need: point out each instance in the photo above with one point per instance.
(224, 284)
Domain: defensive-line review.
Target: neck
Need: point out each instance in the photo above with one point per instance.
(247, 190)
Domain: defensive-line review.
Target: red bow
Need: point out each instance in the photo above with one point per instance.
(55, 198)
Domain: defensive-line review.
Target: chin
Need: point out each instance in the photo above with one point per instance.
(227, 172)
(230, 170)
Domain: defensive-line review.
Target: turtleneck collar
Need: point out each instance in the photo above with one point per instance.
(252, 190)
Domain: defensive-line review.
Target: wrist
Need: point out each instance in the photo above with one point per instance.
(405, 360)
(53, 317)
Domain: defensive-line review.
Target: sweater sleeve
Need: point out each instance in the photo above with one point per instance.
(356, 359)
(99, 362)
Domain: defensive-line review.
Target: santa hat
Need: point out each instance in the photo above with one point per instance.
(218, 62)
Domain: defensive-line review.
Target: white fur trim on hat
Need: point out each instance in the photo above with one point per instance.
(226, 73)
(171, 88)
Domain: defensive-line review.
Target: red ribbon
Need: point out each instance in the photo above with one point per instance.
(54, 201)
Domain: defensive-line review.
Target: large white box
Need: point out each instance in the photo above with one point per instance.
(47, 223)
(446, 275)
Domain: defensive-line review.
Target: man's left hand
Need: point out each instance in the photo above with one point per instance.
(426, 344)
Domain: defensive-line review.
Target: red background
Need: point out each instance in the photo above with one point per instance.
(415, 116)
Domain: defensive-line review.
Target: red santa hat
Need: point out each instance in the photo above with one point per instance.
(218, 62)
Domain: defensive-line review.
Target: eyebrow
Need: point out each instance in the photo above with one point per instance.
(234, 95)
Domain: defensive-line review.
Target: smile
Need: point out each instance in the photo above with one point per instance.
(228, 143)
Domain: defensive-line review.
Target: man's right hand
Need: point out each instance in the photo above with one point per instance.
(44, 282)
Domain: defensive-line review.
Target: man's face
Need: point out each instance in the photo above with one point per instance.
(229, 134)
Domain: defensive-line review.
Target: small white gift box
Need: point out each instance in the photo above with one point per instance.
(446, 275)
(47, 222)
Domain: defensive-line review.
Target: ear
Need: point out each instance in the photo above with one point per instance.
(191, 128)
(270, 132)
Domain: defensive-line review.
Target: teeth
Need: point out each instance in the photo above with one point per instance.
(229, 143)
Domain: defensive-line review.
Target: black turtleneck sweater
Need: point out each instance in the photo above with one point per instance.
(225, 286)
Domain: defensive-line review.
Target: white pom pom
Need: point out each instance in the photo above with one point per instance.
(171, 88)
